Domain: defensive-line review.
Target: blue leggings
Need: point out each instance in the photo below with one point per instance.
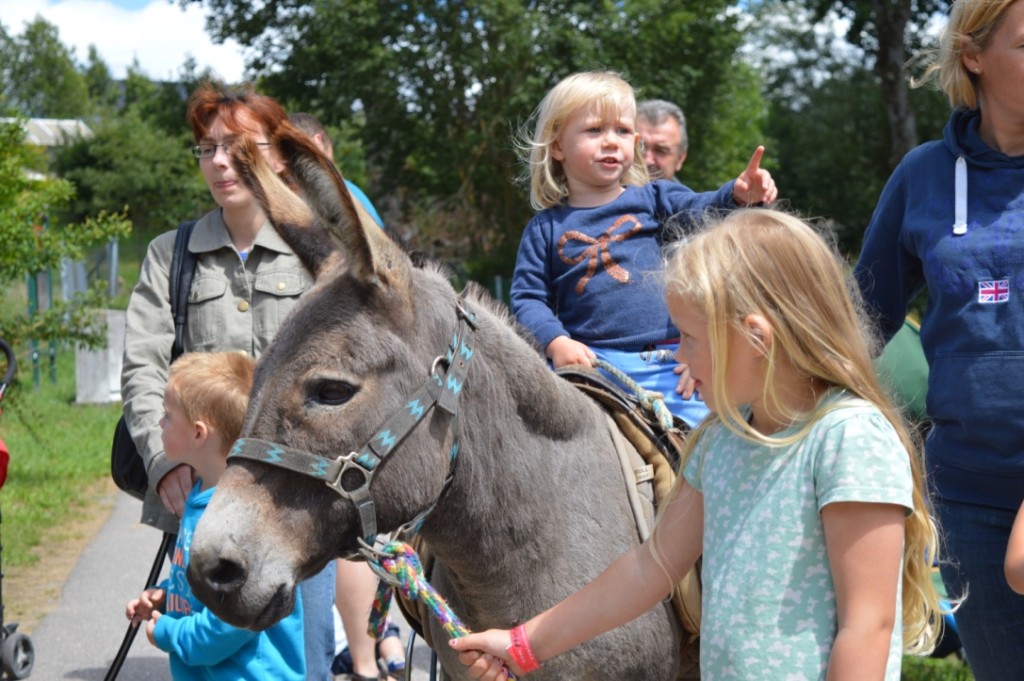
(654, 370)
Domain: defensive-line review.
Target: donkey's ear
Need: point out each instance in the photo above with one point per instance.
(369, 253)
(285, 209)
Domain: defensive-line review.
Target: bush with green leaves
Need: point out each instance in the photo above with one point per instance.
(32, 241)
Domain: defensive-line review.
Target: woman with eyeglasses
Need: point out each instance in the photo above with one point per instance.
(245, 282)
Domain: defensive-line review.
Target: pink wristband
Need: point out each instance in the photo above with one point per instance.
(521, 652)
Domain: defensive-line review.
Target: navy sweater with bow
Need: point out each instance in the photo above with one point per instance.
(594, 274)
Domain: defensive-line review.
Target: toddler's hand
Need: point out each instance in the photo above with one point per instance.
(685, 385)
(142, 608)
(755, 184)
(564, 351)
(151, 627)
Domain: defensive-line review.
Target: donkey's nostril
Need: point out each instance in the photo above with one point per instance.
(226, 575)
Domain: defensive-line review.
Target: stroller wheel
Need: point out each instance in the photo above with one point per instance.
(17, 656)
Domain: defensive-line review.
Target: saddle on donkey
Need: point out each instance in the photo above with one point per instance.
(650, 457)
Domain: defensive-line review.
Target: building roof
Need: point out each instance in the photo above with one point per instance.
(52, 132)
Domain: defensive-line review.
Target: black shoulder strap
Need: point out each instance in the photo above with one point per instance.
(183, 266)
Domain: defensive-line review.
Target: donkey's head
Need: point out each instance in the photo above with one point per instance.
(313, 474)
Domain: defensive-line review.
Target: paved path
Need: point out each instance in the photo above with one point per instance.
(79, 639)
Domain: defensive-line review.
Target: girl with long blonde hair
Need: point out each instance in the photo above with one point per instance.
(803, 489)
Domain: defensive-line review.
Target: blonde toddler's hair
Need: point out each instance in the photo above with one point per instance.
(609, 91)
(214, 387)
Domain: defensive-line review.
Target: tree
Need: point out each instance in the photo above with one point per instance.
(27, 198)
(103, 90)
(828, 114)
(39, 76)
(434, 91)
(888, 31)
(130, 164)
(138, 158)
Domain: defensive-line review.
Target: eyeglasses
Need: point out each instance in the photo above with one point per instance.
(203, 151)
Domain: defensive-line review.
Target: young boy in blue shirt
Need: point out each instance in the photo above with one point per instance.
(204, 405)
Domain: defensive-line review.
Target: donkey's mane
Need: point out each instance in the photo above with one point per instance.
(476, 293)
(480, 295)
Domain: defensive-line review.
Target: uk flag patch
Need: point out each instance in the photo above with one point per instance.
(993, 291)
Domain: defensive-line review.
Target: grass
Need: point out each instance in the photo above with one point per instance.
(59, 450)
(926, 669)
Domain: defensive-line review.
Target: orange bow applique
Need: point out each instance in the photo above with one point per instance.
(599, 248)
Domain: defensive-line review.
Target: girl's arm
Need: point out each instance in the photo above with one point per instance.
(532, 294)
(1014, 565)
(631, 586)
(865, 554)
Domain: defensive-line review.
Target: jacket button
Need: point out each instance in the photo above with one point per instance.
(243, 305)
(280, 286)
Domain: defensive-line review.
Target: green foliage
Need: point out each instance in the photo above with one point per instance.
(435, 92)
(30, 242)
(928, 669)
(867, 20)
(164, 104)
(829, 118)
(52, 468)
(38, 74)
(165, 186)
(100, 84)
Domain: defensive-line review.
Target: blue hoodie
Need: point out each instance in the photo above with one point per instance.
(205, 648)
(973, 328)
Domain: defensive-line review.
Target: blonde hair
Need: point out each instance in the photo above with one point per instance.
(969, 29)
(769, 263)
(214, 387)
(605, 89)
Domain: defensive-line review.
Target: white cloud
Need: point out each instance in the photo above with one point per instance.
(160, 35)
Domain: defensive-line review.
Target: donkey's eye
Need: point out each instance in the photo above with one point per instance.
(335, 392)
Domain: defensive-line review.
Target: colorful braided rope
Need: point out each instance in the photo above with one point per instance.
(401, 562)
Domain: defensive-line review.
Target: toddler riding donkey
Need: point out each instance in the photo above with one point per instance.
(802, 489)
(581, 283)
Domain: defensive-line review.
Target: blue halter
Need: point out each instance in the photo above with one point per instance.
(350, 474)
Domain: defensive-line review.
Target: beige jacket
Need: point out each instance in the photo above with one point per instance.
(233, 305)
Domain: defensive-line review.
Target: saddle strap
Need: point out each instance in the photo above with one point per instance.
(686, 597)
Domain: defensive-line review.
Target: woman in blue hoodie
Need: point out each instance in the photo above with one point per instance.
(951, 218)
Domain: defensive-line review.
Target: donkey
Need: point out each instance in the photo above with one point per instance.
(508, 470)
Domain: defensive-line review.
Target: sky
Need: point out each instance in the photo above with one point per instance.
(158, 33)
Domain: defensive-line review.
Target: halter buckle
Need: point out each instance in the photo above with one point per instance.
(348, 462)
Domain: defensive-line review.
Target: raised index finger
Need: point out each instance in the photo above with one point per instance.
(755, 160)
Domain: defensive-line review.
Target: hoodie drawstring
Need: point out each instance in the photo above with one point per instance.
(960, 197)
